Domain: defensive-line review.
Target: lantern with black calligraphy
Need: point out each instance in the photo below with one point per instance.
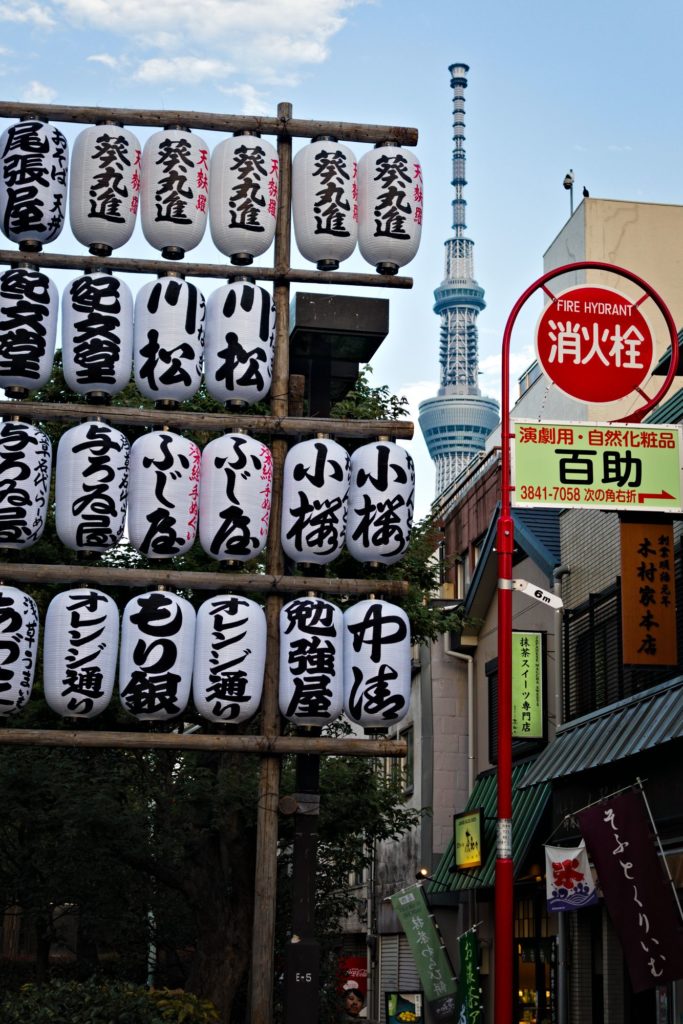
(389, 207)
(163, 494)
(314, 495)
(168, 339)
(25, 465)
(229, 659)
(80, 651)
(376, 664)
(97, 334)
(91, 486)
(104, 187)
(239, 343)
(311, 661)
(29, 308)
(235, 497)
(325, 202)
(381, 502)
(157, 656)
(34, 160)
(243, 197)
(18, 648)
(175, 191)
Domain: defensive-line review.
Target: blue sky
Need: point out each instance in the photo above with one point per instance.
(590, 86)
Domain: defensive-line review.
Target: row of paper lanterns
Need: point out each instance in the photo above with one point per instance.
(172, 339)
(336, 201)
(356, 662)
(167, 491)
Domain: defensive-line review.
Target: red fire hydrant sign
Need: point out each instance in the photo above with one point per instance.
(595, 344)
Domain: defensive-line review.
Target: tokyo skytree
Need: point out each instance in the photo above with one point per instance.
(457, 422)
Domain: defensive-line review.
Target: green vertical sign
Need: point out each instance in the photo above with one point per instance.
(470, 1009)
(527, 686)
(431, 959)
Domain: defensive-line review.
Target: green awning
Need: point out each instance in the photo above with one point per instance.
(527, 807)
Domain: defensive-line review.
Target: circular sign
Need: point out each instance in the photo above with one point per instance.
(594, 344)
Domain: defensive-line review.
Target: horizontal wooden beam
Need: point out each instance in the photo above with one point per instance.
(250, 583)
(346, 746)
(288, 127)
(214, 422)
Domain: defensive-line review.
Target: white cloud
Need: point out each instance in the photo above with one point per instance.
(107, 59)
(37, 92)
(31, 13)
(182, 70)
(252, 101)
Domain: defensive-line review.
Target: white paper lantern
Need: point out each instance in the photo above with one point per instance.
(381, 502)
(157, 654)
(376, 664)
(163, 494)
(229, 659)
(104, 188)
(239, 343)
(91, 486)
(314, 495)
(243, 197)
(311, 661)
(18, 648)
(80, 651)
(34, 159)
(97, 334)
(168, 339)
(175, 191)
(325, 202)
(29, 309)
(235, 497)
(25, 465)
(389, 207)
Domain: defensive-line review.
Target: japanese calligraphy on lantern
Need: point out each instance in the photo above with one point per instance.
(243, 197)
(25, 465)
(376, 663)
(527, 686)
(29, 304)
(617, 466)
(33, 183)
(468, 834)
(229, 658)
(639, 900)
(235, 497)
(648, 594)
(314, 493)
(97, 334)
(105, 187)
(595, 343)
(18, 648)
(311, 681)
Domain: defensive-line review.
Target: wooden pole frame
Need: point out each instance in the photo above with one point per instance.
(270, 746)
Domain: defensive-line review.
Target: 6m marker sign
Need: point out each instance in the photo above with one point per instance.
(615, 466)
(595, 344)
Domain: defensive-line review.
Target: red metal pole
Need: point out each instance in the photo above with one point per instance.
(504, 879)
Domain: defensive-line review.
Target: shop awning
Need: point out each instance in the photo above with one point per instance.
(626, 728)
(527, 807)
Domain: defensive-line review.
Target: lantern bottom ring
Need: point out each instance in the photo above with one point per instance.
(327, 264)
(241, 259)
(172, 252)
(387, 268)
(16, 391)
(101, 249)
(30, 245)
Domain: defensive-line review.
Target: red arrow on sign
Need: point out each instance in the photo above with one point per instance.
(662, 494)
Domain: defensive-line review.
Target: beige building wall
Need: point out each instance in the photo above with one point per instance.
(645, 238)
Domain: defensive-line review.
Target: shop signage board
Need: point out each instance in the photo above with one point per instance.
(595, 344)
(618, 466)
(468, 835)
(527, 686)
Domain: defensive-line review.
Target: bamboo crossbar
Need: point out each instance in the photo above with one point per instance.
(289, 127)
(213, 422)
(276, 745)
(46, 260)
(248, 583)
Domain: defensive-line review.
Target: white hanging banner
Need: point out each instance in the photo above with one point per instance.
(97, 334)
(157, 654)
(230, 659)
(18, 648)
(235, 497)
(91, 486)
(80, 651)
(311, 661)
(105, 187)
(569, 883)
(376, 663)
(25, 466)
(163, 494)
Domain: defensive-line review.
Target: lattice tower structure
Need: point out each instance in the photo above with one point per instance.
(456, 423)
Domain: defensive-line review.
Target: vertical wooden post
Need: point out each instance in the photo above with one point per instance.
(265, 889)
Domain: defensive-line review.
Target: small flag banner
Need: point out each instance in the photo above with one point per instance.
(469, 1003)
(431, 959)
(638, 896)
(569, 883)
